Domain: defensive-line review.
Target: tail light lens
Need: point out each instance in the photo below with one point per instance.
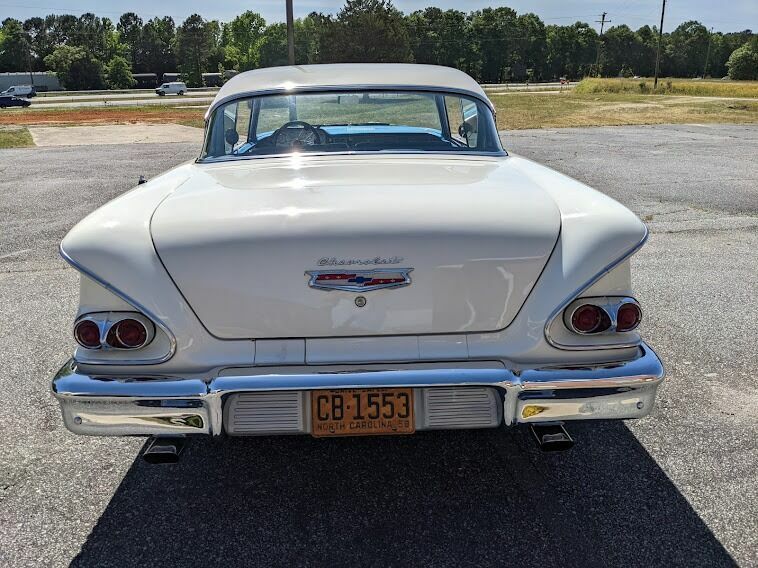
(628, 317)
(87, 334)
(130, 334)
(589, 318)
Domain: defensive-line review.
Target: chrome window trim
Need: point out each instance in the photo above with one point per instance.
(343, 88)
(132, 302)
(578, 292)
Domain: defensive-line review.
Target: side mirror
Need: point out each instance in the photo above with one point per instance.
(231, 136)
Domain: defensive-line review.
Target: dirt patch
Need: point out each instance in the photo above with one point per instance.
(177, 115)
(144, 133)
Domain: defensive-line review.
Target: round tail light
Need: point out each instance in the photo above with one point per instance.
(130, 333)
(87, 334)
(589, 319)
(628, 317)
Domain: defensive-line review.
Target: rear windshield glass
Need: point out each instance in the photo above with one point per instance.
(351, 121)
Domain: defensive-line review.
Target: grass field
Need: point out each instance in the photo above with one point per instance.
(700, 88)
(11, 137)
(609, 109)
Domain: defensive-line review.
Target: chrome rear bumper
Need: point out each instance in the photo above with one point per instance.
(123, 406)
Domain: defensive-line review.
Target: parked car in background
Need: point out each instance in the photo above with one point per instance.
(27, 91)
(10, 101)
(173, 88)
(354, 253)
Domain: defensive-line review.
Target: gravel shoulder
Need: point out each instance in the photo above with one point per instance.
(678, 488)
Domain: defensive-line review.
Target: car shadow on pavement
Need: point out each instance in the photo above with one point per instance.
(474, 498)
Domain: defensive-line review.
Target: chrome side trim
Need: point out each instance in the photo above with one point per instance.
(132, 302)
(99, 405)
(578, 292)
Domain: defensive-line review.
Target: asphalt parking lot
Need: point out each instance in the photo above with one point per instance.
(679, 488)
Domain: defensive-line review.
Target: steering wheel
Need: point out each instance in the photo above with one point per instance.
(297, 133)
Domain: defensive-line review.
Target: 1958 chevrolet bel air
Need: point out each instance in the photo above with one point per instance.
(354, 253)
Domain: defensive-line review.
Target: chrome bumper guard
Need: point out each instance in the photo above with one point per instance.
(123, 406)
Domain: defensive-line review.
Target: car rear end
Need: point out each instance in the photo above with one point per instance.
(329, 293)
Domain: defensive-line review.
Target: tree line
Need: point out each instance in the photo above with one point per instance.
(493, 45)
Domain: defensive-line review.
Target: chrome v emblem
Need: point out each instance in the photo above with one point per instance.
(359, 280)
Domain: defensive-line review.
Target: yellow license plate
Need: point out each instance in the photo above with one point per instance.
(362, 412)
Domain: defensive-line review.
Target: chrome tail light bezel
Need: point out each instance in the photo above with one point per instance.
(609, 305)
(107, 322)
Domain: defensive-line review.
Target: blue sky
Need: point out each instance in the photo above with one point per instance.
(729, 15)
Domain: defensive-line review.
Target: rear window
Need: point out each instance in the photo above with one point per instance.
(351, 121)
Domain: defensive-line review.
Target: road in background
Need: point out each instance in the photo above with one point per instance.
(675, 489)
(141, 97)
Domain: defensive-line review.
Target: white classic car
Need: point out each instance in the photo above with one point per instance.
(354, 253)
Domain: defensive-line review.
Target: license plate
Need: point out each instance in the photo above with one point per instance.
(362, 412)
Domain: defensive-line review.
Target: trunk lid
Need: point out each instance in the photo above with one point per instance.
(240, 239)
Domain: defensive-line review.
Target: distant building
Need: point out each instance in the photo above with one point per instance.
(42, 80)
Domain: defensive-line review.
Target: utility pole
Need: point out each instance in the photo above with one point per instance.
(707, 53)
(658, 53)
(29, 61)
(601, 21)
(290, 33)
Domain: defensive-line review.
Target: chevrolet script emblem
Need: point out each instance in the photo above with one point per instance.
(359, 280)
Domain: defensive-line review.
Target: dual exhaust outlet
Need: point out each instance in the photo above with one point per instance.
(168, 449)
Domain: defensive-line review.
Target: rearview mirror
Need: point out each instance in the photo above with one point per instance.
(231, 136)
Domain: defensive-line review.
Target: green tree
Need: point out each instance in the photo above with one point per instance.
(273, 46)
(119, 74)
(686, 50)
(194, 42)
(439, 37)
(76, 68)
(130, 31)
(743, 63)
(494, 34)
(529, 49)
(13, 46)
(366, 31)
(309, 32)
(158, 37)
(621, 48)
(245, 33)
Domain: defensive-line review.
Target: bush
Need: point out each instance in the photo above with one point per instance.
(743, 63)
(119, 74)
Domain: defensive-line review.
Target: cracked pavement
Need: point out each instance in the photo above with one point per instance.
(678, 488)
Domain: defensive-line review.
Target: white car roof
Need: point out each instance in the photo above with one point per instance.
(348, 75)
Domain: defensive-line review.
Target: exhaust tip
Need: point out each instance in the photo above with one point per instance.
(163, 450)
(551, 437)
